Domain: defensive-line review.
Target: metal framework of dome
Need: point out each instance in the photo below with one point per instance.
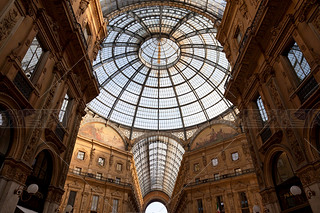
(160, 68)
(157, 159)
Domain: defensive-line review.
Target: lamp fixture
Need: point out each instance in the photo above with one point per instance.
(295, 190)
(256, 209)
(68, 208)
(30, 190)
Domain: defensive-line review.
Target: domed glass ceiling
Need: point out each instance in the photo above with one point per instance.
(160, 68)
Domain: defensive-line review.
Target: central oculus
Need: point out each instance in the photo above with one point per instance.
(159, 53)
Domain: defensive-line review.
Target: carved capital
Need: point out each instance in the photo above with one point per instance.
(15, 170)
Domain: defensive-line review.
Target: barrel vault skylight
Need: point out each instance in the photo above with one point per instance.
(157, 161)
(160, 68)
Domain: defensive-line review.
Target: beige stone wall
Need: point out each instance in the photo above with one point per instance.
(261, 67)
(34, 103)
(229, 183)
(87, 184)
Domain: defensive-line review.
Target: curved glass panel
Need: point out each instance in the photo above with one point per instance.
(161, 68)
(157, 161)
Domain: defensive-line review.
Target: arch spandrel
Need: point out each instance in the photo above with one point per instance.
(102, 133)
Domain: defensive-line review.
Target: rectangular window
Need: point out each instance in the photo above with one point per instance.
(196, 167)
(237, 171)
(118, 180)
(238, 35)
(235, 156)
(101, 161)
(87, 31)
(63, 109)
(200, 206)
(99, 176)
(94, 203)
(214, 162)
(81, 155)
(262, 110)
(244, 202)
(115, 204)
(119, 167)
(32, 57)
(298, 62)
(72, 198)
(77, 170)
(220, 204)
(216, 176)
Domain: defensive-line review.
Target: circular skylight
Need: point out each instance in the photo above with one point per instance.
(159, 53)
(160, 68)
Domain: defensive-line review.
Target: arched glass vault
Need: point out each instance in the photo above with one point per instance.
(157, 160)
(161, 68)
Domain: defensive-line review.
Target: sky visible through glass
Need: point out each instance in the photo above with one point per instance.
(161, 68)
(156, 207)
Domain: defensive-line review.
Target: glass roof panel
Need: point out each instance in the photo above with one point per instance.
(157, 160)
(161, 67)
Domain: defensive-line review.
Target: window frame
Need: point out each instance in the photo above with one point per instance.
(99, 176)
(115, 205)
(103, 161)
(38, 61)
(233, 153)
(238, 35)
(217, 162)
(262, 110)
(119, 167)
(219, 200)
(294, 46)
(196, 167)
(81, 153)
(71, 200)
(237, 171)
(216, 176)
(117, 180)
(244, 203)
(200, 205)
(94, 204)
(77, 170)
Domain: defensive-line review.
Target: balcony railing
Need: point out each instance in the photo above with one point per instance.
(307, 89)
(23, 84)
(265, 134)
(245, 39)
(76, 23)
(100, 178)
(60, 132)
(225, 176)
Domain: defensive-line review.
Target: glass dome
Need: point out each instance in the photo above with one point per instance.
(160, 68)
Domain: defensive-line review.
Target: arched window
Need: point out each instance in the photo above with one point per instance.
(41, 175)
(6, 134)
(284, 178)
